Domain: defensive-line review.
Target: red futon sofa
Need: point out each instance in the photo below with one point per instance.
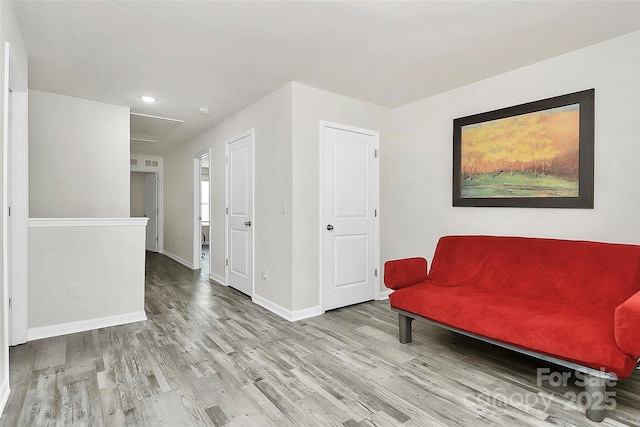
(574, 303)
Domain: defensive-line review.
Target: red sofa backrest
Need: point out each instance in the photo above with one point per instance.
(578, 272)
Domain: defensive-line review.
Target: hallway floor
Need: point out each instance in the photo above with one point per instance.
(208, 356)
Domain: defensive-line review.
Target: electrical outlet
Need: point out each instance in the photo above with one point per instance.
(283, 207)
(265, 274)
(74, 290)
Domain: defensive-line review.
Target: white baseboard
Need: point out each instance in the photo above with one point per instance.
(218, 279)
(179, 259)
(384, 294)
(84, 325)
(4, 392)
(290, 315)
(305, 313)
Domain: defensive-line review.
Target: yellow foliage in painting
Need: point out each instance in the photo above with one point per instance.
(526, 142)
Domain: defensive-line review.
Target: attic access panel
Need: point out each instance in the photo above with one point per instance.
(147, 128)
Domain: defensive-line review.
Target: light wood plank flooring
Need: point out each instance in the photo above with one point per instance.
(208, 356)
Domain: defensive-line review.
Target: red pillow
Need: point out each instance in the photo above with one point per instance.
(401, 273)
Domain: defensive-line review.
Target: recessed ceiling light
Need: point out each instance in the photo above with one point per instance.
(204, 110)
(148, 99)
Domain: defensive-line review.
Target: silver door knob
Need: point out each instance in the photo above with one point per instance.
(329, 227)
(248, 223)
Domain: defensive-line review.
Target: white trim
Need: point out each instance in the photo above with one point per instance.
(5, 220)
(221, 280)
(290, 315)
(384, 294)
(85, 325)
(338, 126)
(306, 313)
(157, 117)
(4, 392)
(179, 259)
(86, 222)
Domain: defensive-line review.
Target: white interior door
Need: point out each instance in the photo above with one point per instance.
(8, 249)
(240, 213)
(16, 179)
(151, 212)
(349, 214)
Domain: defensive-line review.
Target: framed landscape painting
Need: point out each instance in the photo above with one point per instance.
(538, 155)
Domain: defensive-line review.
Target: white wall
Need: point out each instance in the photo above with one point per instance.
(105, 259)
(78, 157)
(310, 106)
(79, 170)
(9, 32)
(417, 157)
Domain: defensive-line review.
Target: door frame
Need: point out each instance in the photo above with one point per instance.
(197, 228)
(250, 133)
(144, 164)
(16, 285)
(160, 204)
(376, 201)
(154, 176)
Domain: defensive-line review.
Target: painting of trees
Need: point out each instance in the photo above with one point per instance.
(539, 154)
(528, 155)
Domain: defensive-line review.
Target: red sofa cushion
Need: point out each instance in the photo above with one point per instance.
(593, 274)
(578, 333)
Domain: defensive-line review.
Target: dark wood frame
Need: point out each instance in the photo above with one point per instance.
(586, 99)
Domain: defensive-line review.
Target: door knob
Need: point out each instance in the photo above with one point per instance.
(248, 223)
(329, 227)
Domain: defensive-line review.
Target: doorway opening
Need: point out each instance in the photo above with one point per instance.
(202, 212)
(144, 202)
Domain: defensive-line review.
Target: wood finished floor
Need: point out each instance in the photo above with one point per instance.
(208, 356)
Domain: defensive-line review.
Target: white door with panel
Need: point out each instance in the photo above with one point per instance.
(240, 213)
(8, 250)
(349, 215)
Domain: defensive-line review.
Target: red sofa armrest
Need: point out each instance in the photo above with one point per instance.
(401, 273)
(627, 325)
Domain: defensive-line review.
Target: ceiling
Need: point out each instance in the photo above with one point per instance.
(225, 55)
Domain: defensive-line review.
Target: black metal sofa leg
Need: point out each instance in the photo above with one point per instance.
(596, 391)
(405, 328)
